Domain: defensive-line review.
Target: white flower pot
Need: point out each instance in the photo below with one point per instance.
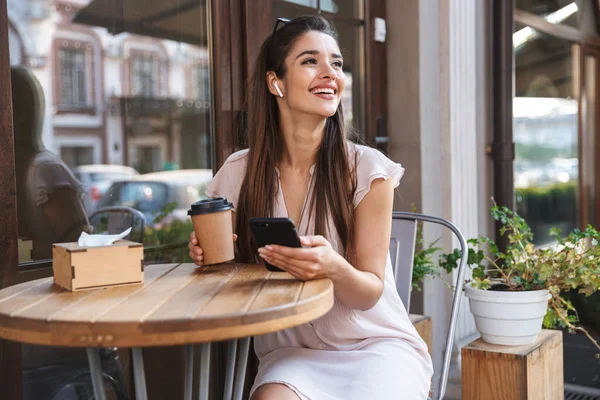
(508, 318)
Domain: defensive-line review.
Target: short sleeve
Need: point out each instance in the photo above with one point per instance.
(372, 165)
(228, 180)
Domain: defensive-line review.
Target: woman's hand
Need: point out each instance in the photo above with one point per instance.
(196, 253)
(315, 260)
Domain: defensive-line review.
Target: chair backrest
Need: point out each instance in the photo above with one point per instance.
(402, 253)
(113, 220)
(407, 231)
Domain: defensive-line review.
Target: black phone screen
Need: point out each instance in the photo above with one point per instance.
(279, 231)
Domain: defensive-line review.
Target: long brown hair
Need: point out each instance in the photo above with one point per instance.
(334, 179)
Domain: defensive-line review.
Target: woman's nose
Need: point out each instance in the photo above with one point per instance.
(328, 72)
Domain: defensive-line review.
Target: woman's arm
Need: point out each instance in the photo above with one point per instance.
(359, 286)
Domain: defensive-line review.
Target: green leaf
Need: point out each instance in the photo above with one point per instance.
(545, 272)
(483, 284)
(550, 319)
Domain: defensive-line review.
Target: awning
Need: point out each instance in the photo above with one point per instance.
(179, 20)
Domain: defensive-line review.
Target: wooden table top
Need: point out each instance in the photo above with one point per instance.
(177, 304)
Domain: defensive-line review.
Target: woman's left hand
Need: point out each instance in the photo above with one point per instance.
(315, 260)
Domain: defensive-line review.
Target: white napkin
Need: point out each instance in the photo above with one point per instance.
(100, 240)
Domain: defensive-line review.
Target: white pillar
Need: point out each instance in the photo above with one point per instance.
(452, 169)
(462, 124)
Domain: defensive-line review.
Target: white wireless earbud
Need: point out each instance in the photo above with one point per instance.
(277, 89)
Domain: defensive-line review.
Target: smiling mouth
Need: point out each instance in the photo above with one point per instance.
(323, 91)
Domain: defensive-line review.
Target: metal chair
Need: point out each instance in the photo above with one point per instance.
(113, 220)
(402, 251)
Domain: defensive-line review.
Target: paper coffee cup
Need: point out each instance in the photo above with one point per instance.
(212, 223)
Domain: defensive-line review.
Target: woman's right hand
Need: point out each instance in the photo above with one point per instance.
(196, 253)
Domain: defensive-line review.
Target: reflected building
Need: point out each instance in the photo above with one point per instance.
(121, 99)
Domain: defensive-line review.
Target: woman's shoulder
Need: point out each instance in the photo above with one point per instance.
(372, 164)
(229, 178)
(239, 157)
(367, 157)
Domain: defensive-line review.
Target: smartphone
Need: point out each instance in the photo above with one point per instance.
(280, 231)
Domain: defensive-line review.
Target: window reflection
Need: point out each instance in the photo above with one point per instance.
(553, 11)
(144, 77)
(545, 111)
(73, 78)
(108, 112)
(118, 102)
(325, 5)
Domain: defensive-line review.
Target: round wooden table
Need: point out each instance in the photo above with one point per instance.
(178, 304)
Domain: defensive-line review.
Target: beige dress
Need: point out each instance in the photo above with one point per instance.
(346, 354)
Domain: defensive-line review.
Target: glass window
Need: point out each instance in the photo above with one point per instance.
(545, 110)
(121, 129)
(148, 197)
(130, 103)
(144, 77)
(338, 8)
(554, 11)
(113, 176)
(201, 88)
(73, 78)
(16, 51)
(74, 156)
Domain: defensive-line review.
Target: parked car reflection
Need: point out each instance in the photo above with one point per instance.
(97, 178)
(154, 192)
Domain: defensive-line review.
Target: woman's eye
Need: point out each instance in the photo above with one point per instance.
(309, 61)
(338, 64)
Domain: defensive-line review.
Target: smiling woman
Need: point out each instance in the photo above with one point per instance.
(310, 62)
(299, 165)
(351, 25)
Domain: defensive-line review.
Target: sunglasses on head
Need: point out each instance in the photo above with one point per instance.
(280, 22)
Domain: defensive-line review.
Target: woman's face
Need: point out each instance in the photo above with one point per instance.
(314, 80)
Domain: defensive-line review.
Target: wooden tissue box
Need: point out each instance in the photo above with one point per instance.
(76, 267)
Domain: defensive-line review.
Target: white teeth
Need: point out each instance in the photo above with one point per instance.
(323, 90)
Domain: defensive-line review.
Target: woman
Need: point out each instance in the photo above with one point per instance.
(339, 195)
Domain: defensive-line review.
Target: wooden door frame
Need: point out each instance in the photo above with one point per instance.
(8, 191)
(10, 376)
(228, 74)
(596, 111)
(586, 50)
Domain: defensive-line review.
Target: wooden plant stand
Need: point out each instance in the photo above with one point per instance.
(529, 372)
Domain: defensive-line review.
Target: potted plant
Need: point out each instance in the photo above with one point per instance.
(515, 291)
